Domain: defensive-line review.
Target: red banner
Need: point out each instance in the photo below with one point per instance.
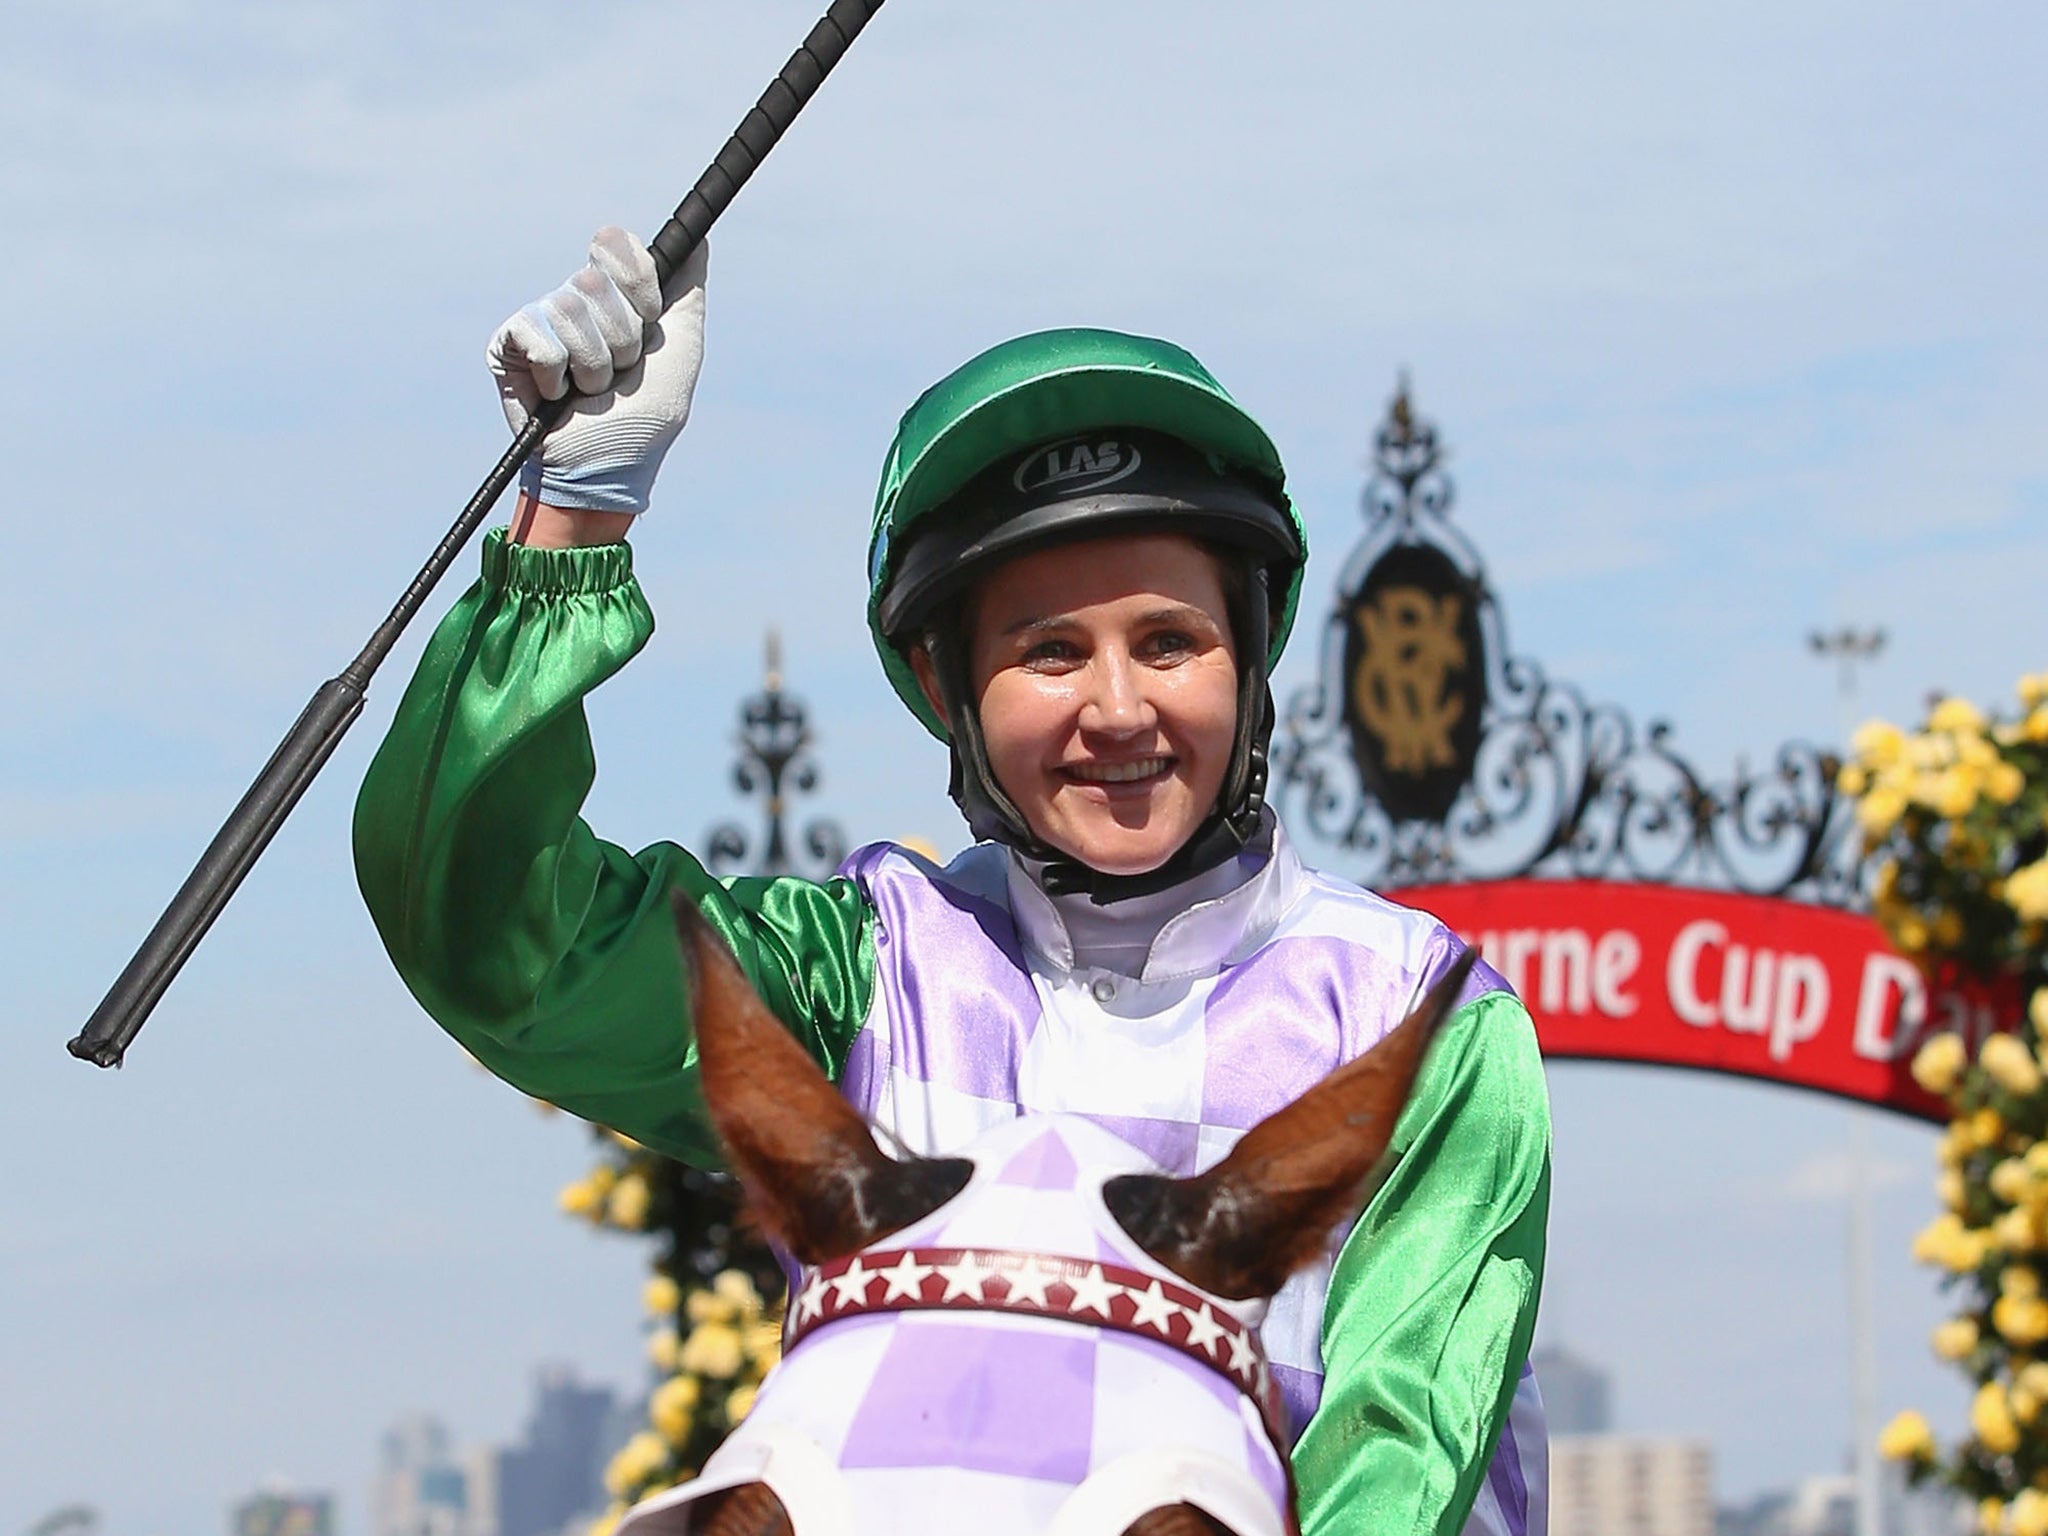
(1780, 990)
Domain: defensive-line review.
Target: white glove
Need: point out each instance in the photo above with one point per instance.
(634, 365)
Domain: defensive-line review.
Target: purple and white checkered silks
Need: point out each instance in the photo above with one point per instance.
(1245, 1002)
(900, 1423)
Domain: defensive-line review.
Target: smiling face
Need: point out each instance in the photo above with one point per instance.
(1107, 686)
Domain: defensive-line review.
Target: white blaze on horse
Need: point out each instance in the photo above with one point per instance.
(1044, 1334)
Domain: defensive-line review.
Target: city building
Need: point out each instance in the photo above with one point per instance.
(556, 1473)
(480, 1490)
(281, 1511)
(1578, 1397)
(549, 1484)
(1826, 1506)
(1626, 1485)
(421, 1490)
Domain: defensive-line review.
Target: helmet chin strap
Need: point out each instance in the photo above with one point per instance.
(993, 816)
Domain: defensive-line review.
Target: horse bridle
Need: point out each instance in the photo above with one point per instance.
(1091, 1292)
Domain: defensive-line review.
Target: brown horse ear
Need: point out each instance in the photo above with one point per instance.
(813, 1174)
(1243, 1227)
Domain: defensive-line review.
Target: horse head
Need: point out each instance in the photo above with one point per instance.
(1042, 1334)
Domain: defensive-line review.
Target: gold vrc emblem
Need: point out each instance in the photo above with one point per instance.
(1414, 681)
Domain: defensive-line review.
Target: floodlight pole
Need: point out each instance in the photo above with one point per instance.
(1848, 649)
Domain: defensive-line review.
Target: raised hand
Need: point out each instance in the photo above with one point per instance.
(631, 353)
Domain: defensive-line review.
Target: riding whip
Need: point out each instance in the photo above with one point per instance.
(334, 707)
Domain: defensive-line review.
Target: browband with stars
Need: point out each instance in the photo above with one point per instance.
(1088, 1291)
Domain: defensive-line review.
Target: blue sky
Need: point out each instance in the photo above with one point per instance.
(1730, 316)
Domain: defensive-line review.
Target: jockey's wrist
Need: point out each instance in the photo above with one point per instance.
(545, 526)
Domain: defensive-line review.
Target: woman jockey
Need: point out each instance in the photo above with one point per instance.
(1083, 567)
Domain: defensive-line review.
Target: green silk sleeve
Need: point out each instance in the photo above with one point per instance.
(550, 954)
(1432, 1303)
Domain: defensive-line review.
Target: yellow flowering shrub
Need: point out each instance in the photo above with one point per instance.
(712, 1334)
(1955, 821)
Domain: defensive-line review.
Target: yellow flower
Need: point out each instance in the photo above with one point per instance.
(712, 1349)
(1956, 715)
(2004, 783)
(2021, 1280)
(662, 1348)
(1954, 792)
(1939, 1063)
(1991, 1417)
(2035, 726)
(1878, 742)
(2029, 1513)
(2026, 1402)
(1990, 1516)
(1953, 1191)
(1970, 1248)
(2015, 1231)
(737, 1287)
(1852, 779)
(2037, 1013)
(1934, 1239)
(2020, 1321)
(2010, 1064)
(2026, 891)
(1907, 1438)
(581, 1199)
(1879, 810)
(672, 1407)
(1987, 1127)
(739, 1404)
(705, 1306)
(2026, 1405)
(1954, 1148)
(1956, 1339)
(2034, 688)
(639, 1459)
(1950, 1244)
(2033, 1376)
(1909, 932)
(763, 1340)
(2011, 1181)
(1948, 928)
(629, 1202)
(662, 1296)
(603, 1525)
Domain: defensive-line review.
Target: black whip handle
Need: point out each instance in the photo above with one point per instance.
(334, 707)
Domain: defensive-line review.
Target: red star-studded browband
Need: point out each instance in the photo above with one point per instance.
(1044, 1285)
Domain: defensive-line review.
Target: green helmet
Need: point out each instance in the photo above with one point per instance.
(1060, 436)
(1029, 392)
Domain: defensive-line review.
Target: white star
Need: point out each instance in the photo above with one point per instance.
(810, 1301)
(853, 1285)
(1203, 1330)
(1028, 1282)
(1154, 1310)
(906, 1277)
(1092, 1293)
(1242, 1355)
(963, 1277)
